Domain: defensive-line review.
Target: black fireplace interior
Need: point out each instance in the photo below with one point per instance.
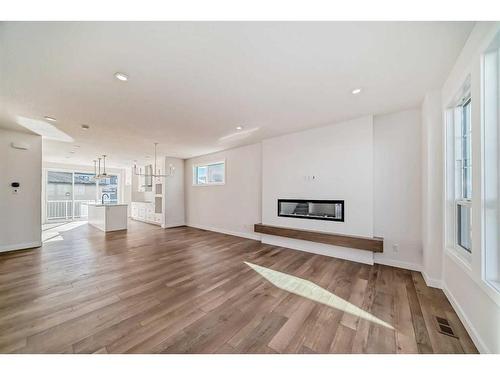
(332, 210)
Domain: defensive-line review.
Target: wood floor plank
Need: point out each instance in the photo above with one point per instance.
(185, 290)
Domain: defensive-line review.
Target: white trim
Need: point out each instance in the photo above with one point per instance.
(20, 246)
(398, 264)
(174, 225)
(490, 291)
(480, 345)
(252, 236)
(433, 283)
(207, 164)
(353, 255)
(457, 257)
(429, 281)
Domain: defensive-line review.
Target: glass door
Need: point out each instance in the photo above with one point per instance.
(59, 196)
(84, 188)
(68, 194)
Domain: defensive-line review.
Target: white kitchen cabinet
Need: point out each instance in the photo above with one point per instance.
(145, 211)
(161, 200)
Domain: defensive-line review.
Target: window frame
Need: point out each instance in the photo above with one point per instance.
(490, 173)
(463, 193)
(73, 171)
(208, 164)
(453, 174)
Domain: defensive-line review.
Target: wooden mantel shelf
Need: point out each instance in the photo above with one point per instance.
(375, 244)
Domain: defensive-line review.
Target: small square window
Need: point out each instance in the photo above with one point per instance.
(209, 174)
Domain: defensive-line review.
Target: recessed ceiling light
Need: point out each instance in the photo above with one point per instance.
(239, 128)
(356, 91)
(48, 118)
(121, 76)
(85, 127)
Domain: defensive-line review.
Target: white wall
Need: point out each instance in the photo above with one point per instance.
(432, 188)
(174, 194)
(397, 188)
(475, 301)
(233, 207)
(20, 214)
(368, 162)
(331, 162)
(340, 157)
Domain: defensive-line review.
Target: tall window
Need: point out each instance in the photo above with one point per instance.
(209, 174)
(463, 173)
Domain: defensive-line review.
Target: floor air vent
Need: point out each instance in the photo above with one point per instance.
(445, 327)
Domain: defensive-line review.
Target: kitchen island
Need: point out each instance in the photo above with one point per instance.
(108, 217)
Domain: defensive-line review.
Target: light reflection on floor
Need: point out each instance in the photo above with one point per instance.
(314, 292)
(52, 232)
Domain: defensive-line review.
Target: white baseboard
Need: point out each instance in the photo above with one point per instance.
(398, 264)
(20, 246)
(429, 281)
(252, 236)
(173, 225)
(483, 349)
(432, 282)
(354, 255)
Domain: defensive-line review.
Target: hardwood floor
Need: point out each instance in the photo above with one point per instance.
(184, 290)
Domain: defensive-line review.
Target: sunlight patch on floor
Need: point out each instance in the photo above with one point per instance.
(54, 233)
(314, 292)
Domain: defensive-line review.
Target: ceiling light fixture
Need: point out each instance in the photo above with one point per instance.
(153, 171)
(356, 91)
(85, 127)
(97, 168)
(121, 76)
(239, 128)
(48, 118)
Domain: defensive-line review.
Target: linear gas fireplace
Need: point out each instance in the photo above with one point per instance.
(332, 210)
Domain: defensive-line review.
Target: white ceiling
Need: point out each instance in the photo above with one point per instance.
(192, 83)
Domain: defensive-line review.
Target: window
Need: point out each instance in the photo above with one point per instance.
(67, 194)
(491, 155)
(109, 186)
(459, 193)
(209, 174)
(463, 172)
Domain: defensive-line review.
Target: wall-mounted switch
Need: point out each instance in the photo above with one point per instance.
(395, 248)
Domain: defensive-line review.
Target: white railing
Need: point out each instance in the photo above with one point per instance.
(67, 210)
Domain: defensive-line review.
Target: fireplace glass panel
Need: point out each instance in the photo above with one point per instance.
(312, 209)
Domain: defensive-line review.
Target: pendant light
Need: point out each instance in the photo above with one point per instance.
(97, 168)
(156, 173)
